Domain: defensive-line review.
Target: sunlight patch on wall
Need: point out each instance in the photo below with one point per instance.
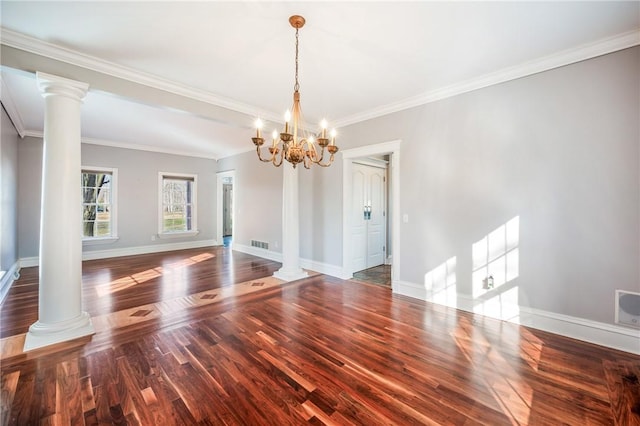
(440, 283)
(496, 263)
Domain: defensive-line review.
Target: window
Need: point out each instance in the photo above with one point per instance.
(177, 205)
(98, 203)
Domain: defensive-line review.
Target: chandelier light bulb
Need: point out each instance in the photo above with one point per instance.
(287, 118)
(274, 135)
(258, 127)
(323, 124)
(333, 136)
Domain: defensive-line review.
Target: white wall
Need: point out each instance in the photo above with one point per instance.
(8, 194)
(257, 192)
(559, 150)
(137, 203)
(321, 213)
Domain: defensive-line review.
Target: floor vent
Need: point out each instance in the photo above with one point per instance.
(260, 244)
(628, 308)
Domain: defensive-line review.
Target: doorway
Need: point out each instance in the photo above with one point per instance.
(227, 212)
(350, 157)
(369, 213)
(225, 208)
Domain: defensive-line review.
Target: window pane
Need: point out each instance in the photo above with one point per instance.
(88, 228)
(96, 208)
(176, 204)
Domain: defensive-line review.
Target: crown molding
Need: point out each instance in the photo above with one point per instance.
(49, 50)
(11, 108)
(591, 50)
(560, 59)
(127, 145)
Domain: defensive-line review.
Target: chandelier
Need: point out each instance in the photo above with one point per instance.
(299, 146)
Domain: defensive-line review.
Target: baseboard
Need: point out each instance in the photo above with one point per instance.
(609, 335)
(312, 265)
(255, 251)
(325, 268)
(129, 251)
(7, 279)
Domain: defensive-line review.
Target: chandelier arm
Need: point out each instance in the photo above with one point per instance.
(273, 159)
(326, 164)
(321, 156)
(258, 150)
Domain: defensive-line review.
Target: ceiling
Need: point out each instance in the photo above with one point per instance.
(358, 60)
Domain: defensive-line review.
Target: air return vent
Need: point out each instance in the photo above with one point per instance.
(260, 244)
(628, 308)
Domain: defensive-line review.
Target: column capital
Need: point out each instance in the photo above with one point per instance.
(53, 85)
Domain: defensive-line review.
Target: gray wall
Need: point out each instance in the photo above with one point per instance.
(8, 193)
(559, 150)
(257, 192)
(137, 199)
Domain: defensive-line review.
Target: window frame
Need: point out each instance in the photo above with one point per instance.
(194, 205)
(86, 241)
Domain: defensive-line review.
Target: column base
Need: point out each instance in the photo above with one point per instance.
(41, 334)
(290, 275)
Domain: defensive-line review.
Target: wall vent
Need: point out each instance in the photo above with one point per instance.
(628, 308)
(260, 244)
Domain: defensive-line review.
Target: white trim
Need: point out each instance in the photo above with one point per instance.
(220, 176)
(372, 162)
(39, 47)
(556, 60)
(255, 251)
(7, 278)
(11, 108)
(139, 147)
(178, 234)
(323, 268)
(99, 241)
(26, 262)
(194, 205)
(42, 334)
(609, 335)
(348, 157)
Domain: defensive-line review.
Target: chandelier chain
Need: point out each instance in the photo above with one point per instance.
(297, 85)
(294, 144)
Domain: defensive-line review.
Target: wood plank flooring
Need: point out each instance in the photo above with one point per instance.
(242, 349)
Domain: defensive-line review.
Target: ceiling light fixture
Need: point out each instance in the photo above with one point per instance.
(299, 146)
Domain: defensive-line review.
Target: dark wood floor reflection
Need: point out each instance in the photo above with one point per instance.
(318, 351)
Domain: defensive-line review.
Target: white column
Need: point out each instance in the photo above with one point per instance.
(290, 270)
(60, 315)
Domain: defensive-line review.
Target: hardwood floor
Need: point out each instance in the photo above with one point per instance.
(207, 337)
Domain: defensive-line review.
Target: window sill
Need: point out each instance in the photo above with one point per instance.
(180, 234)
(99, 240)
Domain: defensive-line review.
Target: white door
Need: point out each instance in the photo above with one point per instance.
(369, 221)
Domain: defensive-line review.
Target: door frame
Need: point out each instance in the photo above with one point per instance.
(220, 177)
(348, 157)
